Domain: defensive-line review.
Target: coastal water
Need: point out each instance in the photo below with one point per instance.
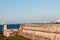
(10, 26)
(1, 28)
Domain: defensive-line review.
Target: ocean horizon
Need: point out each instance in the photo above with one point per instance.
(10, 26)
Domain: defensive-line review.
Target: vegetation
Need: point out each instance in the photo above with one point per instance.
(13, 38)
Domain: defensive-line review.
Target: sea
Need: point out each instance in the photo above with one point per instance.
(10, 26)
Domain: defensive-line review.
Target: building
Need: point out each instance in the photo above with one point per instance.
(10, 32)
(35, 31)
(57, 22)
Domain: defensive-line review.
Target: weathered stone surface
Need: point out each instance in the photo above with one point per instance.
(41, 31)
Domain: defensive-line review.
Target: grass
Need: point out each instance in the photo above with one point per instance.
(13, 38)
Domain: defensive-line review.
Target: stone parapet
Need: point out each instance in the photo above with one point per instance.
(41, 31)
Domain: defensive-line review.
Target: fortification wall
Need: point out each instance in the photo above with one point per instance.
(41, 31)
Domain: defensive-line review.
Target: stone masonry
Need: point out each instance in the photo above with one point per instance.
(40, 31)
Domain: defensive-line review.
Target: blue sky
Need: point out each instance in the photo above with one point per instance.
(26, 11)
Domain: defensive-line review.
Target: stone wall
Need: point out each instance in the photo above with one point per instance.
(10, 32)
(40, 31)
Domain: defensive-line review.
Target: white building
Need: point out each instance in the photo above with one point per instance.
(57, 22)
(9, 32)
